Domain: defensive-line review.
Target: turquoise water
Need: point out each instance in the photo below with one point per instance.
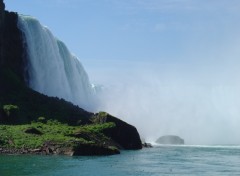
(162, 160)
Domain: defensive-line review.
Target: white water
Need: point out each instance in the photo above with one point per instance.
(51, 68)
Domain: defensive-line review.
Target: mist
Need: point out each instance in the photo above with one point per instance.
(194, 100)
(181, 78)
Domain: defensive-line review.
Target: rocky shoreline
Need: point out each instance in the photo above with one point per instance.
(57, 149)
(50, 148)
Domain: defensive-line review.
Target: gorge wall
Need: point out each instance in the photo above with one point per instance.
(12, 47)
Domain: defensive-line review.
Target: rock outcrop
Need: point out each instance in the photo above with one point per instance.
(125, 135)
(170, 139)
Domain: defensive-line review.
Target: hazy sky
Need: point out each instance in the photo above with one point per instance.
(172, 62)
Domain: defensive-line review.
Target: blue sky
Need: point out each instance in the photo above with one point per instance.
(163, 31)
(175, 62)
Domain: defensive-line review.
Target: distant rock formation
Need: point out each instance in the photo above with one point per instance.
(170, 139)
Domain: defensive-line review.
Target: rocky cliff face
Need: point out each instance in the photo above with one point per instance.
(123, 133)
(11, 43)
(2, 8)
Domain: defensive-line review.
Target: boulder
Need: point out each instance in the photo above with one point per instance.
(170, 139)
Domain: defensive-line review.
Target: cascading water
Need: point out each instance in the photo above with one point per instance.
(51, 68)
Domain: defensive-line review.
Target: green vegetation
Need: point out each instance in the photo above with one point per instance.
(18, 136)
(42, 119)
(99, 118)
(102, 114)
(96, 128)
(8, 109)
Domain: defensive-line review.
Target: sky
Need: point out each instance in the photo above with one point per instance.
(174, 62)
(165, 31)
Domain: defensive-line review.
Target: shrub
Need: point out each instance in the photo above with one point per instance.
(9, 109)
(99, 118)
(42, 119)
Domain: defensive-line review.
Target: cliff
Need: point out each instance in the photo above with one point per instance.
(2, 9)
(124, 134)
(20, 105)
(12, 46)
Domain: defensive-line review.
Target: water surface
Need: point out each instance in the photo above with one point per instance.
(161, 160)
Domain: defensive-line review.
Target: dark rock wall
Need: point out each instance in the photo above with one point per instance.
(11, 43)
(123, 133)
(12, 49)
(2, 8)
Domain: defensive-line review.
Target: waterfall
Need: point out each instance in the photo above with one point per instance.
(51, 68)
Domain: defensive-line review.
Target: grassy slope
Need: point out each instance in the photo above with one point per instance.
(15, 136)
